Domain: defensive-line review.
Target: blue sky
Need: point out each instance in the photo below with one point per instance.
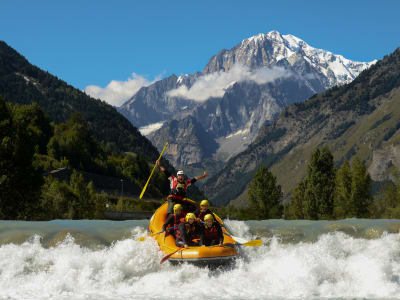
(94, 42)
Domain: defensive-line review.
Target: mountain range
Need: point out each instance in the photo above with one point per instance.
(237, 93)
(361, 118)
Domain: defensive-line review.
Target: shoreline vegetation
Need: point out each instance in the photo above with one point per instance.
(32, 148)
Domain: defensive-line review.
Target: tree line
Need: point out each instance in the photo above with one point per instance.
(30, 146)
(327, 192)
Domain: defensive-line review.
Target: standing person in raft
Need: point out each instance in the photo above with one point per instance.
(211, 233)
(178, 186)
(174, 220)
(186, 232)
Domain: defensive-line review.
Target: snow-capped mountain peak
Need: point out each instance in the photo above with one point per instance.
(272, 48)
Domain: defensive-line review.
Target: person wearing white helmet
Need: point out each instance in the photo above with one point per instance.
(178, 185)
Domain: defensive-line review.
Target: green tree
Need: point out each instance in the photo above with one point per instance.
(343, 190)
(73, 141)
(56, 200)
(265, 194)
(84, 204)
(296, 206)
(319, 186)
(20, 179)
(361, 195)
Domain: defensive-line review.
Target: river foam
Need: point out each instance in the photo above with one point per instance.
(334, 264)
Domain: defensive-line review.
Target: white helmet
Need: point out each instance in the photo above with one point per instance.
(180, 172)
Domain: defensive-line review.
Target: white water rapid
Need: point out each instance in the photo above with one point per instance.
(351, 259)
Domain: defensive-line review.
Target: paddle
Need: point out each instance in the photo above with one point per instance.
(243, 242)
(142, 238)
(151, 174)
(165, 258)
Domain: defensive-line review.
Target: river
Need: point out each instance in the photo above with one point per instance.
(64, 259)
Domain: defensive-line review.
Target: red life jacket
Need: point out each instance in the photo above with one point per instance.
(177, 222)
(189, 231)
(203, 214)
(174, 183)
(211, 233)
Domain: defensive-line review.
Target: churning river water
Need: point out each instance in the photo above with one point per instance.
(63, 259)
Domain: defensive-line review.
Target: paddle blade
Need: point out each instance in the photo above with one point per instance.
(165, 258)
(143, 238)
(255, 243)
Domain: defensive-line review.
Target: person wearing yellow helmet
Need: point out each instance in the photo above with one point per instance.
(203, 210)
(211, 233)
(186, 231)
(174, 220)
(178, 186)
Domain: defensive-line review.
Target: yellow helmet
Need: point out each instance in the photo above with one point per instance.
(190, 216)
(176, 207)
(208, 217)
(205, 203)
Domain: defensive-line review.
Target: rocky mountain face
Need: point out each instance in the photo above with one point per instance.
(259, 77)
(360, 118)
(188, 141)
(152, 104)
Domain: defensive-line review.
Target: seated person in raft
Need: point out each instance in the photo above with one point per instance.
(204, 210)
(211, 232)
(174, 220)
(178, 187)
(186, 232)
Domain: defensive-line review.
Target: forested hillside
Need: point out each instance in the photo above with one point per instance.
(23, 83)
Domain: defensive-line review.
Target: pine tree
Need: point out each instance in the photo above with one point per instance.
(296, 207)
(265, 194)
(361, 197)
(319, 186)
(343, 192)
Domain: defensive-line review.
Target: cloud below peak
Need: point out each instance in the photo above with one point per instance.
(117, 92)
(215, 84)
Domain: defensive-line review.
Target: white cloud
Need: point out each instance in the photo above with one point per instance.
(146, 130)
(215, 84)
(117, 92)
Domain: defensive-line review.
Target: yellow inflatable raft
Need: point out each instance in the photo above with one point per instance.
(213, 255)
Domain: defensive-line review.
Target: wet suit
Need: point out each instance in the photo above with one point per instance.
(212, 235)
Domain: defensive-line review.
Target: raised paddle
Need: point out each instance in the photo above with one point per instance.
(151, 174)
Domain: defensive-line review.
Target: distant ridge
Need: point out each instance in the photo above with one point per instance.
(360, 118)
